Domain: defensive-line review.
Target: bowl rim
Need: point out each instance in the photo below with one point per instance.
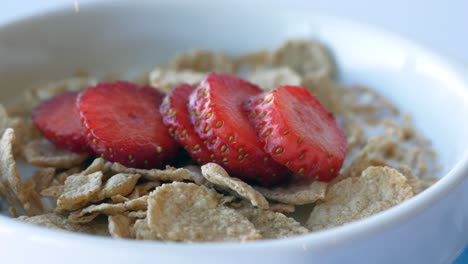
(360, 229)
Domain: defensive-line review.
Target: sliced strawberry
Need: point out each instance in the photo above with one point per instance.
(177, 120)
(218, 118)
(124, 124)
(59, 121)
(298, 131)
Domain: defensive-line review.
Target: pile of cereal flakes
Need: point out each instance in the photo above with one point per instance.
(387, 162)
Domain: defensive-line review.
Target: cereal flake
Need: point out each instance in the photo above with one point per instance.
(354, 198)
(43, 153)
(217, 175)
(296, 193)
(188, 212)
(273, 225)
(79, 190)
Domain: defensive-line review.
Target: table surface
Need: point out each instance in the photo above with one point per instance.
(440, 25)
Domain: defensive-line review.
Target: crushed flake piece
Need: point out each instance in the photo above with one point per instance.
(57, 221)
(120, 226)
(166, 79)
(377, 189)
(92, 211)
(272, 224)
(42, 153)
(188, 212)
(307, 57)
(11, 186)
(79, 190)
(299, 192)
(217, 175)
(203, 61)
(269, 79)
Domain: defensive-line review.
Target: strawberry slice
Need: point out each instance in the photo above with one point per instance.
(59, 122)
(124, 124)
(298, 131)
(177, 120)
(218, 118)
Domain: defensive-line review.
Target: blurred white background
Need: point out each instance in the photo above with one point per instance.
(439, 24)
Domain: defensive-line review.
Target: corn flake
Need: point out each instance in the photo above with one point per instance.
(217, 175)
(377, 189)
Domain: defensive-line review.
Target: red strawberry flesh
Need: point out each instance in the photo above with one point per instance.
(59, 121)
(176, 118)
(218, 118)
(124, 124)
(299, 132)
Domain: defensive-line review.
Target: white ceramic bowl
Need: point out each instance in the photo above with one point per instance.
(430, 228)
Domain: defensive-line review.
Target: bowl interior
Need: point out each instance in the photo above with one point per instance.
(122, 38)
